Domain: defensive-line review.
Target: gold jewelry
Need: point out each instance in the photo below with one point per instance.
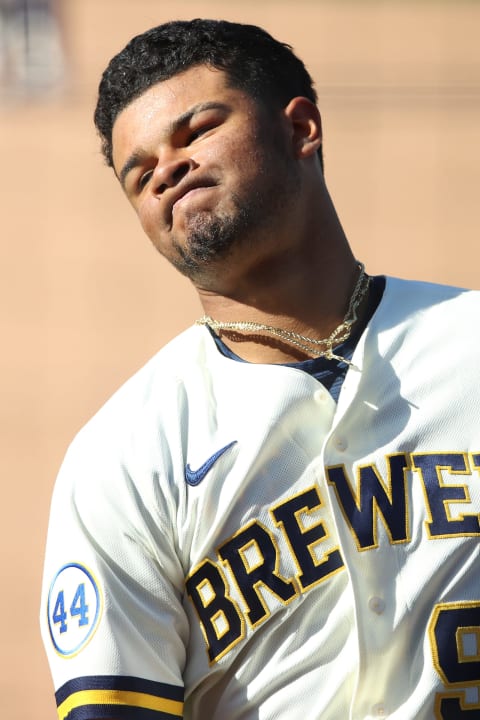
(309, 345)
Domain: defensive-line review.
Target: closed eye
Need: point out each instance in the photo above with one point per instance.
(144, 179)
(198, 132)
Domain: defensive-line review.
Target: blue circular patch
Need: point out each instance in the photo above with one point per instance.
(74, 605)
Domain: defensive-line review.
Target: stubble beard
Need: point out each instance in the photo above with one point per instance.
(211, 237)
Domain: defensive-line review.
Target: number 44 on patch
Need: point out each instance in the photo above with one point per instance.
(74, 607)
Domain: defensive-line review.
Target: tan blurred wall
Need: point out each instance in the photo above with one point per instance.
(85, 300)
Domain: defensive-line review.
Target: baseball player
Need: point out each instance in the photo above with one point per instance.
(277, 517)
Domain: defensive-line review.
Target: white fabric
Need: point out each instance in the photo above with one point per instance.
(360, 640)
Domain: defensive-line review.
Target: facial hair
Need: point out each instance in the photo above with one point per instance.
(212, 236)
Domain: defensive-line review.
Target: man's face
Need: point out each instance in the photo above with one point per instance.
(206, 168)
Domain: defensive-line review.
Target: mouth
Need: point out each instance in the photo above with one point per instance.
(191, 194)
(187, 194)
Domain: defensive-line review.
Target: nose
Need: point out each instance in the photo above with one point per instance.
(170, 172)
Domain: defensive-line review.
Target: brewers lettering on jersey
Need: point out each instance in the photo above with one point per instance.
(277, 518)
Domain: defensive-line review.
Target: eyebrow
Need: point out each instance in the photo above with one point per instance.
(138, 156)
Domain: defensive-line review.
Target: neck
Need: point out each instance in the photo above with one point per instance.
(302, 283)
(312, 308)
(310, 346)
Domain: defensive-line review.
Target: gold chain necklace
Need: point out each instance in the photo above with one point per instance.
(321, 348)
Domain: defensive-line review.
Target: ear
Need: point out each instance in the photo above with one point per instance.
(305, 125)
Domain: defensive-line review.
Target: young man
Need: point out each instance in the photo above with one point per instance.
(277, 517)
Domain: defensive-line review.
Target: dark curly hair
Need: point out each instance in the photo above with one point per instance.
(252, 60)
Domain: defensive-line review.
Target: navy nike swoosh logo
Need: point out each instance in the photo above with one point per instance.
(195, 477)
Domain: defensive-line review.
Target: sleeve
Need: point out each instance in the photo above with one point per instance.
(112, 618)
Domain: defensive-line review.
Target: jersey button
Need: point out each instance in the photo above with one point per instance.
(320, 396)
(379, 711)
(376, 604)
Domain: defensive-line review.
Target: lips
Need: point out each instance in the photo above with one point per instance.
(178, 194)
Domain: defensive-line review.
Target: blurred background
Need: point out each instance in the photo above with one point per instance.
(85, 300)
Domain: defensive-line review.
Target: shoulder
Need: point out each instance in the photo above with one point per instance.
(424, 294)
(422, 319)
(140, 425)
(411, 301)
(157, 386)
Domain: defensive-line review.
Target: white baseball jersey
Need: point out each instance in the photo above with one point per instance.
(229, 543)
